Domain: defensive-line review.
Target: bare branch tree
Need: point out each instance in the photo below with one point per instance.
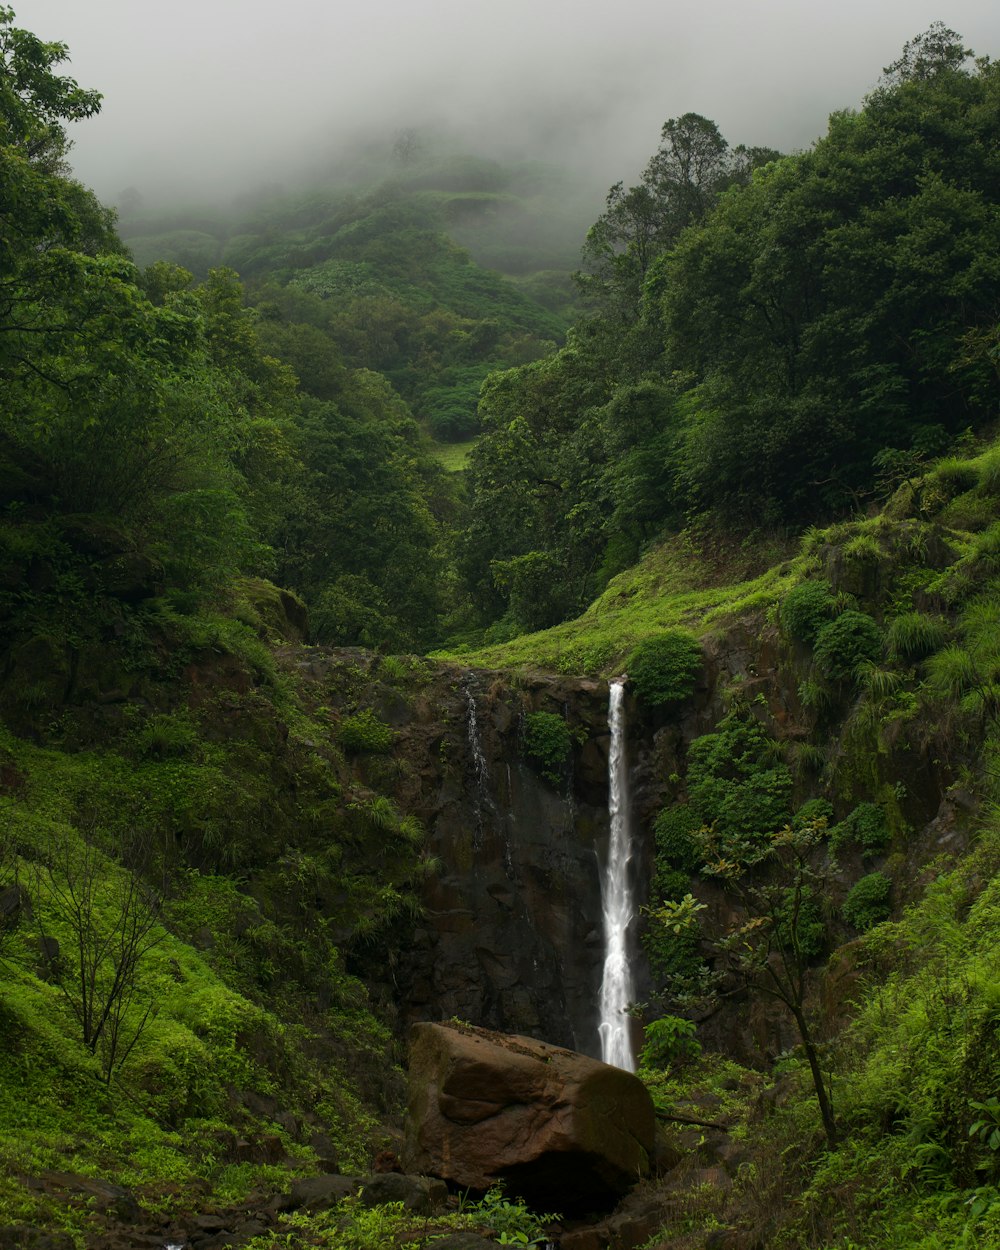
(112, 918)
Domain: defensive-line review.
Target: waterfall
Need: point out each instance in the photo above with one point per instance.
(480, 768)
(617, 990)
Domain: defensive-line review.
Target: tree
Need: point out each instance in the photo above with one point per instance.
(680, 185)
(937, 49)
(111, 918)
(824, 312)
(772, 944)
(34, 102)
(690, 168)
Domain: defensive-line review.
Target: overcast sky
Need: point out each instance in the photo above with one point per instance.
(210, 95)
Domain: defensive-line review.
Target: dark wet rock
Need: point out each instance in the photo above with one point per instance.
(107, 1199)
(421, 1194)
(27, 1237)
(504, 941)
(15, 904)
(326, 1152)
(464, 1240)
(632, 1223)
(213, 1222)
(319, 1193)
(266, 1148)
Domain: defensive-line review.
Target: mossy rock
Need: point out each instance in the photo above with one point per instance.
(274, 612)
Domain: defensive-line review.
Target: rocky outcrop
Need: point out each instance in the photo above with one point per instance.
(510, 935)
(561, 1129)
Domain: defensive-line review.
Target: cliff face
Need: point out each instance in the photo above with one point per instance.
(512, 934)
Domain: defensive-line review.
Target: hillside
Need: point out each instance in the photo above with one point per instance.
(304, 736)
(184, 752)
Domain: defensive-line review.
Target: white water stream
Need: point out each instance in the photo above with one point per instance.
(480, 768)
(617, 990)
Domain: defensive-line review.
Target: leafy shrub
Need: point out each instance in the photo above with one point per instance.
(845, 643)
(669, 885)
(675, 846)
(865, 827)
(811, 811)
(674, 958)
(868, 902)
(669, 1040)
(664, 669)
(915, 635)
(806, 609)
(547, 743)
(365, 733)
(736, 782)
(815, 696)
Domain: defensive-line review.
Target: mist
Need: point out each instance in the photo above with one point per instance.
(205, 100)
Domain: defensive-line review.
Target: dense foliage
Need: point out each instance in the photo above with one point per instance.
(547, 744)
(779, 338)
(664, 670)
(770, 339)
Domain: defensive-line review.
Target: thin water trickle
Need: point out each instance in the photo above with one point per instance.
(617, 989)
(508, 826)
(480, 768)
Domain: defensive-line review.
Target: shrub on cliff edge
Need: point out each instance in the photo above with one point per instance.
(664, 669)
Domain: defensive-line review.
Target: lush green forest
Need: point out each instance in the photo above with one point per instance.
(759, 421)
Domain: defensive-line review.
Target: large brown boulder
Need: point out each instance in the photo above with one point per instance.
(562, 1130)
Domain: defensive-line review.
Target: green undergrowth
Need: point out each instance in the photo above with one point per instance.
(671, 588)
(691, 1086)
(206, 1051)
(919, 1162)
(453, 457)
(351, 1225)
(916, 559)
(222, 822)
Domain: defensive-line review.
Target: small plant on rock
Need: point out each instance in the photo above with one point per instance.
(547, 743)
(665, 669)
(915, 635)
(512, 1223)
(865, 827)
(846, 643)
(806, 609)
(365, 733)
(868, 902)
